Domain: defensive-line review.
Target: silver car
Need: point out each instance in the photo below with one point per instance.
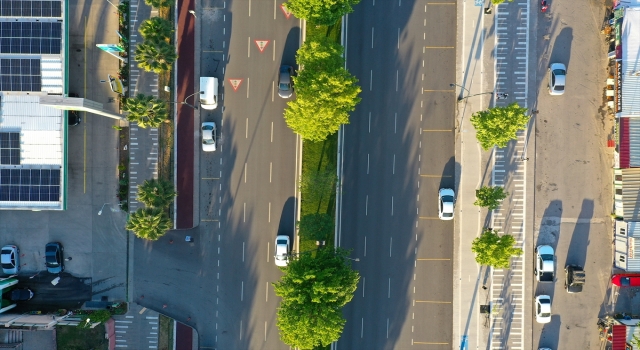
(10, 259)
(285, 84)
(557, 78)
(282, 250)
(208, 136)
(445, 203)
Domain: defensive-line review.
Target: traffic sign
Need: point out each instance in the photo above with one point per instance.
(262, 44)
(235, 83)
(287, 13)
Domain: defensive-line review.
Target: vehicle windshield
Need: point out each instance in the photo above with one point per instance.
(546, 256)
(208, 141)
(559, 72)
(559, 87)
(284, 86)
(447, 199)
(7, 266)
(624, 281)
(545, 314)
(447, 215)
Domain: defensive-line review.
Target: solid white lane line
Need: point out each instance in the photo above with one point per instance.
(245, 172)
(391, 205)
(274, 50)
(366, 206)
(268, 249)
(367, 163)
(271, 131)
(270, 171)
(266, 291)
(242, 251)
(247, 87)
(372, 37)
(371, 80)
(390, 245)
(246, 129)
(394, 164)
(249, 47)
(242, 292)
(244, 214)
(389, 290)
(395, 123)
(369, 122)
(269, 211)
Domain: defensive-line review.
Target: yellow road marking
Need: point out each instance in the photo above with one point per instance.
(433, 302)
(429, 218)
(438, 176)
(434, 259)
(439, 47)
(143, 310)
(438, 130)
(441, 3)
(429, 343)
(438, 90)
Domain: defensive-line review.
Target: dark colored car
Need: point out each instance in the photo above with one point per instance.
(285, 84)
(574, 278)
(73, 116)
(53, 257)
(22, 294)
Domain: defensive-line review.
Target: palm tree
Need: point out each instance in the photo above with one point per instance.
(145, 110)
(156, 193)
(156, 28)
(155, 56)
(159, 3)
(149, 223)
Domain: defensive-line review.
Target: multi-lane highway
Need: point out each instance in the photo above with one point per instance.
(399, 149)
(221, 282)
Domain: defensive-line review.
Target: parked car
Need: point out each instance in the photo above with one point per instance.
(285, 84)
(557, 78)
(10, 258)
(445, 203)
(545, 264)
(21, 294)
(282, 250)
(543, 309)
(574, 278)
(73, 116)
(622, 280)
(208, 136)
(53, 257)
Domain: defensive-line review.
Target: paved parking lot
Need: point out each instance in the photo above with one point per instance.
(96, 243)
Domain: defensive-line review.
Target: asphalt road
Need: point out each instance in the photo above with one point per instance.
(573, 175)
(398, 151)
(221, 282)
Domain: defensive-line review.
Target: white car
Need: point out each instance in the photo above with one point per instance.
(557, 78)
(446, 199)
(10, 259)
(282, 250)
(208, 136)
(543, 309)
(545, 264)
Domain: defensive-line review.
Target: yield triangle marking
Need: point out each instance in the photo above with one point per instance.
(287, 13)
(235, 83)
(262, 44)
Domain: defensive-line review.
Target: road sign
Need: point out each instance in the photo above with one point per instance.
(262, 44)
(287, 13)
(235, 83)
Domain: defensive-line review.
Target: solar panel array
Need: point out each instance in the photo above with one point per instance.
(30, 185)
(31, 37)
(27, 8)
(20, 74)
(10, 148)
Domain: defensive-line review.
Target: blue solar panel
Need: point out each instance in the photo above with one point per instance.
(30, 185)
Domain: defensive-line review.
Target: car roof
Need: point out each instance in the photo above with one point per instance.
(446, 192)
(555, 66)
(545, 249)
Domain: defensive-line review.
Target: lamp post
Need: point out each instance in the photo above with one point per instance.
(356, 259)
(460, 98)
(100, 212)
(186, 98)
(193, 13)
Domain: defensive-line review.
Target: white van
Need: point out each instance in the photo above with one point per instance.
(209, 92)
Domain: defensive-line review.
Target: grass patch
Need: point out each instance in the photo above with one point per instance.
(320, 156)
(75, 338)
(165, 333)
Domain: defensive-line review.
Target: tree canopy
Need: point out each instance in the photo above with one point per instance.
(325, 92)
(156, 29)
(156, 193)
(159, 3)
(149, 223)
(155, 56)
(490, 197)
(499, 125)
(494, 250)
(314, 289)
(320, 12)
(145, 110)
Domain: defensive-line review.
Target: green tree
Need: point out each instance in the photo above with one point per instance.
(494, 250)
(149, 223)
(314, 289)
(160, 3)
(316, 226)
(320, 12)
(325, 92)
(155, 56)
(490, 197)
(318, 185)
(156, 29)
(145, 110)
(156, 193)
(499, 125)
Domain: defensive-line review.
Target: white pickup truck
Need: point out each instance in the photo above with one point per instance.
(545, 264)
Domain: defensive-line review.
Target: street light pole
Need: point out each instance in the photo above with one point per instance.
(186, 98)
(469, 92)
